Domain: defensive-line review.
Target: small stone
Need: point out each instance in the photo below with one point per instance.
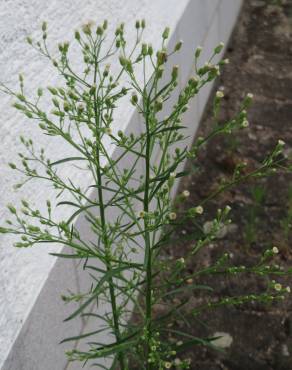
(285, 350)
(224, 341)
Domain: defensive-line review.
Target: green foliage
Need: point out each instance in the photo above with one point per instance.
(129, 212)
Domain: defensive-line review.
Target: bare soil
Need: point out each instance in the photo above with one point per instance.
(260, 54)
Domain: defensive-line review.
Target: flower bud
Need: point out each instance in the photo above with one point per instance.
(174, 72)
(44, 26)
(178, 46)
(11, 209)
(144, 50)
(77, 35)
(106, 70)
(52, 90)
(92, 89)
(219, 48)
(150, 49)
(161, 57)
(86, 29)
(160, 71)
(198, 51)
(12, 166)
(165, 33)
(158, 104)
(134, 99)
(99, 31)
(29, 40)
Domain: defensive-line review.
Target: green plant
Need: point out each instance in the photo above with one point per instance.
(131, 212)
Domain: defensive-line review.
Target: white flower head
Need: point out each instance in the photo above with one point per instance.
(199, 210)
(172, 216)
(245, 123)
(177, 361)
(227, 208)
(275, 250)
(186, 193)
(219, 94)
(288, 290)
(249, 96)
(281, 142)
(278, 287)
(141, 214)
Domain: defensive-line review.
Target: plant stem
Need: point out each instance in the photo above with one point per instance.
(148, 252)
(105, 240)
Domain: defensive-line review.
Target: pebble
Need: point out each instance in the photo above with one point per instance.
(224, 341)
(285, 350)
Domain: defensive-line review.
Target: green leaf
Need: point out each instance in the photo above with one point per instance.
(175, 128)
(69, 159)
(77, 337)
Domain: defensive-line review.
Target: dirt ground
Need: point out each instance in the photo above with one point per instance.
(260, 54)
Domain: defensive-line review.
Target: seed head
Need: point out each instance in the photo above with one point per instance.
(108, 131)
(199, 210)
(142, 214)
(281, 142)
(186, 193)
(172, 216)
(278, 287)
(219, 94)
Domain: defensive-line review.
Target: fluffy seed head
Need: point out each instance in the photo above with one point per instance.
(172, 215)
(219, 94)
(186, 193)
(199, 210)
(278, 287)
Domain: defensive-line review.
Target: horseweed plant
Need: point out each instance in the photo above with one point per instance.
(129, 211)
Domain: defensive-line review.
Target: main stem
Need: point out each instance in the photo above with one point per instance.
(109, 267)
(148, 252)
(105, 240)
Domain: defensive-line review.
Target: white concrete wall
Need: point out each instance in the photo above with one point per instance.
(31, 311)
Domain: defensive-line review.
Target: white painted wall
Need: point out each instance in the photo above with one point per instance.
(31, 312)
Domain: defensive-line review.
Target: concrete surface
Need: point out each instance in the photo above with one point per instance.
(31, 311)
